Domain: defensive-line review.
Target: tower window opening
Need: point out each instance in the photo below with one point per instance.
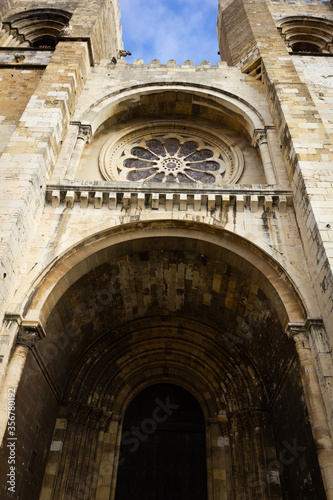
(40, 28)
(45, 43)
(305, 47)
(305, 34)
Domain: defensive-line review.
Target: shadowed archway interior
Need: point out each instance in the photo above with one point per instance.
(179, 311)
(163, 449)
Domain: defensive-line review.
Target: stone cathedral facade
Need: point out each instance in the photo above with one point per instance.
(166, 246)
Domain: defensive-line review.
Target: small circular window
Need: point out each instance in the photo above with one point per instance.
(172, 155)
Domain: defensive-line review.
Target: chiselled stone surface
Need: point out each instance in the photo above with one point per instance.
(117, 273)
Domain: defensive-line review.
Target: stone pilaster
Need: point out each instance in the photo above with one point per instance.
(305, 143)
(83, 137)
(260, 140)
(315, 404)
(83, 441)
(26, 339)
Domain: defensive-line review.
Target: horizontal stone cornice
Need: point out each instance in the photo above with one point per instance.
(125, 196)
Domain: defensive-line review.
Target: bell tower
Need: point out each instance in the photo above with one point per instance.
(288, 47)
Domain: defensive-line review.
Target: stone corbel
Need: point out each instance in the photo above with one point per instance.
(84, 136)
(260, 141)
(103, 421)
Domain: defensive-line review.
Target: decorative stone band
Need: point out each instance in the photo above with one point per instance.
(89, 415)
(165, 199)
(24, 58)
(241, 420)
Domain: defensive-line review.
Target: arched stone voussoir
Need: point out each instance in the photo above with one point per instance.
(127, 239)
(174, 348)
(230, 104)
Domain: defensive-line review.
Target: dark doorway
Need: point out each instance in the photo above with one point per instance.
(163, 450)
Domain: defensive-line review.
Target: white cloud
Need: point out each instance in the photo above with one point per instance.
(174, 29)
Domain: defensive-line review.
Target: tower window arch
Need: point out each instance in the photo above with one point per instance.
(307, 34)
(39, 28)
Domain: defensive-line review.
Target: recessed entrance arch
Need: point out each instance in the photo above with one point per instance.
(169, 303)
(163, 449)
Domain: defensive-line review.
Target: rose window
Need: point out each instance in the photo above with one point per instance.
(172, 157)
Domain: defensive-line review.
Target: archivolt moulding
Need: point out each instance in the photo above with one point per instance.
(306, 33)
(36, 27)
(77, 261)
(247, 117)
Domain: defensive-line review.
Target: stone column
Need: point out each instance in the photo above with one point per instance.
(225, 446)
(83, 137)
(260, 140)
(323, 360)
(4, 34)
(79, 474)
(236, 448)
(254, 467)
(315, 405)
(27, 338)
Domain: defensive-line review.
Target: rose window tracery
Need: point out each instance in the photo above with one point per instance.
(171, 156)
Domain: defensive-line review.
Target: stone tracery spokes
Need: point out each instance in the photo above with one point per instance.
(173, 159)
(172, 154)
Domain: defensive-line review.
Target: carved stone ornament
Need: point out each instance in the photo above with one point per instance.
(246, 420)
(85, 133)
(28, 336)
(89, 415)
(173, 154)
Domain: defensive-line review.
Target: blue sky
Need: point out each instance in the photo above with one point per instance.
(170, 29)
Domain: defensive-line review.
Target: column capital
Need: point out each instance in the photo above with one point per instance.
(89, 415)
(14, 32)
(29, 334)
(300, 331)
(249, 419)
(259, 137)
(85, 133)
